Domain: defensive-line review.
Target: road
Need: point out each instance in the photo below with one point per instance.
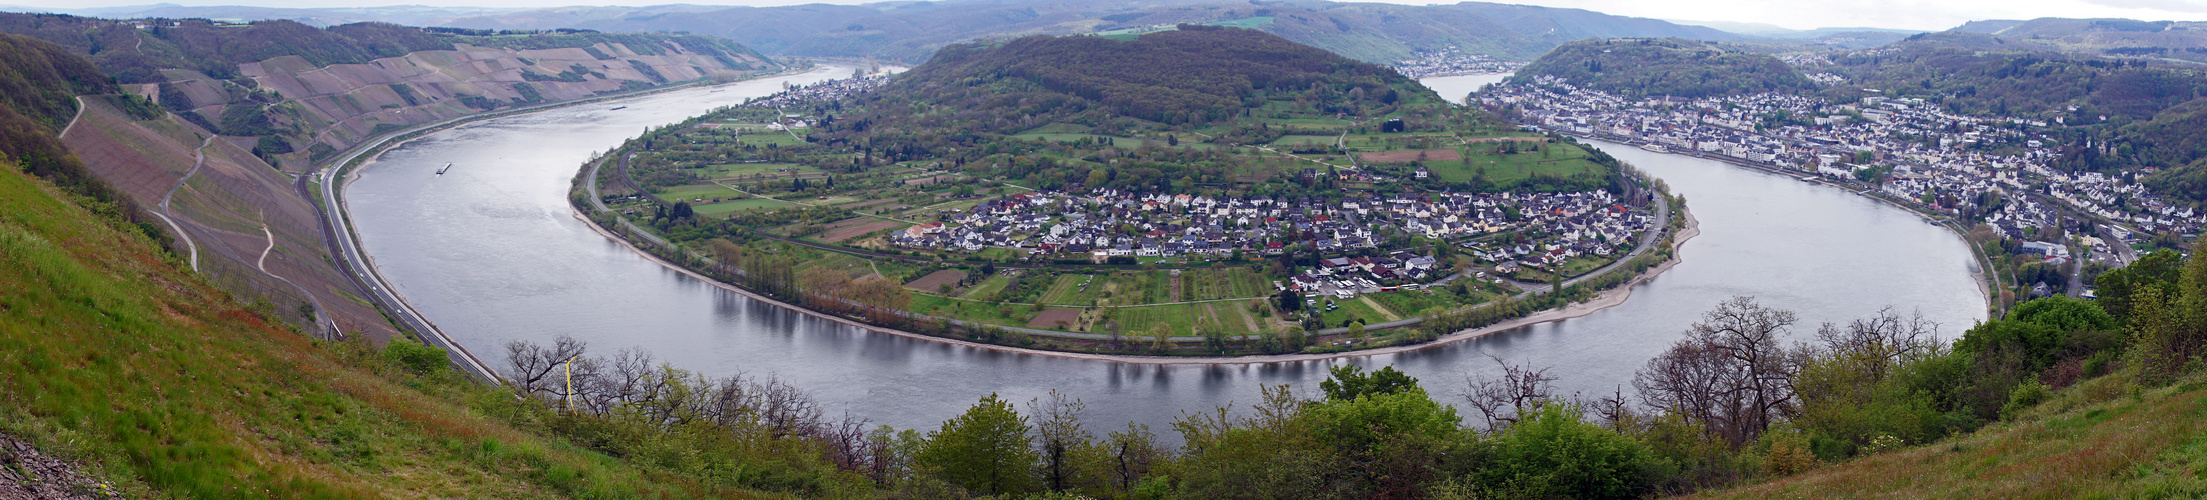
(337, 231)
(199, 159)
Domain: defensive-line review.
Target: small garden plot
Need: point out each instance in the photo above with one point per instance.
(933, 282)
(841, 234)
(1056, 318)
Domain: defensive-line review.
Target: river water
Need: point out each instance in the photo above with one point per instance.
(490, 253)
(1455, 88)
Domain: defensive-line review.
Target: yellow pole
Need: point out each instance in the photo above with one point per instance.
(570, 394)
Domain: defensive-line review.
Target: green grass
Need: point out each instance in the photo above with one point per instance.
(1178, 318)
(1122, 142)
(775, 137)
(1556, 159)
(1351, 308)
(168, 387)
(2097, 439)
(1060, 128)
(1298, 140)
(981, 312)
(732, 206)
(1246, 22)
(987, 287)
(743, 169)
(693, 192)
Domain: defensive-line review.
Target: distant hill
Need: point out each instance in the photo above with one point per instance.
(1659, 67)
(1183, 76)
(909, 32)
(1194, 110)
(2154, 40)
(270, 81)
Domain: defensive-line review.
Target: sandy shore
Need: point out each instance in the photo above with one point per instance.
(1605, 300)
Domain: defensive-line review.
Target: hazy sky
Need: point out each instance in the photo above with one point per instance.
(1797, 14)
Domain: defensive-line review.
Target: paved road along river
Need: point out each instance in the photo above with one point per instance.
(490, 252)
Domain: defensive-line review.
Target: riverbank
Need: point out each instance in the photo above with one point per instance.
(1611, 297)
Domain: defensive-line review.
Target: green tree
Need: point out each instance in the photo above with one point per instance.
(1553, 454)
(2118, 288)
(985, 450)
(1392, 439)
(1350, 382)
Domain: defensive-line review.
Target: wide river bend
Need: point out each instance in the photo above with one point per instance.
(491, 252)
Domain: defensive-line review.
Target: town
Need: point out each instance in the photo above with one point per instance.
(1554, 233)
(1963, 166)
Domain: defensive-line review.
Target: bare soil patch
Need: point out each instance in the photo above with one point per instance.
(839, 234)
(935, 280)
(1050, 318)
(1409, 156)
(929, 180)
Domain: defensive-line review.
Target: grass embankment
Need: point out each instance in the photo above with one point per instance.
(159, 382)
(2103, 438)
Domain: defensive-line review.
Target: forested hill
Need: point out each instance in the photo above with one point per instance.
(44, 78)
(1666, 66)
(135, 51)
(39, 82)
(1197, 74)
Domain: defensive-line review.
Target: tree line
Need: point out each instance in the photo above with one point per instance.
(1745, 395)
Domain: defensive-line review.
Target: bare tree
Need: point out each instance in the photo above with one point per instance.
(1884, 341)
(1058, 425)
(1502, 399)
(539, 370)
(1729, 373)
(631, 376)
(1614, 410)
(1134, 452)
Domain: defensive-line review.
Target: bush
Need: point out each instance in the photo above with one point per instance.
(1553, 454)
(414, 356)
(2026, 395)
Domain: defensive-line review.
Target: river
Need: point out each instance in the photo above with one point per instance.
(491, 253)
(1455, 88)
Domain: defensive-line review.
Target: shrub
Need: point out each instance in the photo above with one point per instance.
(414, 356)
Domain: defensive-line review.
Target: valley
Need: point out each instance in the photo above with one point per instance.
(1150, 250)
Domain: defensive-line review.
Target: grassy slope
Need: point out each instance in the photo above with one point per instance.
(110, 356)
(2097, 440)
